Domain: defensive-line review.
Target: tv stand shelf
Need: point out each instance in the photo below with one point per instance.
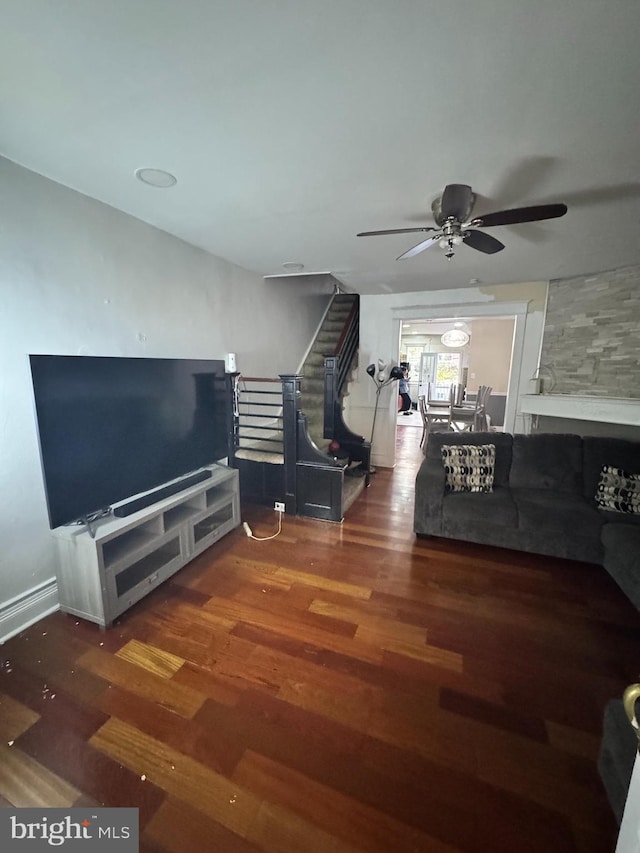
(100, 577)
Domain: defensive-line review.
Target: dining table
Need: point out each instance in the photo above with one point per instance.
(463, 417)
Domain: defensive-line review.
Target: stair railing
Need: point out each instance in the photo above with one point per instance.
(337, 368)
(347, 347)
(258, 414)
(268, 420)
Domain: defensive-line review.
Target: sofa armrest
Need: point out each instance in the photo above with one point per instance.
(429, 492)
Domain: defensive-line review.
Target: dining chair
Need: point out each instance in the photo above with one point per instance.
(458, 394)
(435, 418)
(463, 417)
(431, 400)
(422, 408)
(481, 419)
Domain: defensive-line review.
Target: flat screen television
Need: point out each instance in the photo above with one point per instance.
(110, 428)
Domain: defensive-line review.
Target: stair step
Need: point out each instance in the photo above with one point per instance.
(327, 336)
(334, 325)
(313, 383)
(338, 314)
(323, 349)
(342, 302)
(314, 358)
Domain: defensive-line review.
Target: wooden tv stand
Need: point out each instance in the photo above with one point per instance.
(99, 578)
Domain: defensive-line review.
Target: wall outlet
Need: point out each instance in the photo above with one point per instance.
(278, 506)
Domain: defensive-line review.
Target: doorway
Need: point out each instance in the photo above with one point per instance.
(470, 351)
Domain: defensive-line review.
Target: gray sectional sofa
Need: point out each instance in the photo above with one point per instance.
(542, 501)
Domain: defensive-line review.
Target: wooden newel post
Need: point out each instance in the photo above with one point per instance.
(290, 405)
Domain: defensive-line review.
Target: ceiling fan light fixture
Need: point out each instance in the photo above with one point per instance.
(455, 338)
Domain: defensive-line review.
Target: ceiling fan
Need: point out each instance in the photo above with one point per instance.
(451, 212)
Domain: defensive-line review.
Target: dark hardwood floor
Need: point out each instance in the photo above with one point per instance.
(339, 688)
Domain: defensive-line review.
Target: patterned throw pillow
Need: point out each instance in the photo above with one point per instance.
(618, 490)
(469, 467)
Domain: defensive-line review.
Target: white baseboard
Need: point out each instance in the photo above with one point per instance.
(22, 611)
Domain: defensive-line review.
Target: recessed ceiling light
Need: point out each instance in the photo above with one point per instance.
(292, 266)
(156, 178)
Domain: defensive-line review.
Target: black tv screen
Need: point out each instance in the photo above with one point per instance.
(111, 428)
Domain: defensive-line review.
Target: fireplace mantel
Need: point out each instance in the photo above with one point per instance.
(612, 410)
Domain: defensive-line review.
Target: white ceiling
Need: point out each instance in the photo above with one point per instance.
(293, 125)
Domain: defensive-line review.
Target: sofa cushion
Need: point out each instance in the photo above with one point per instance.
(556, 512)
(469, 467)
(427, 505)
(618, 490)
(489, 518)
(502, 441)
(547, 461)
(610, 517)
(597, 451)
(495, 508)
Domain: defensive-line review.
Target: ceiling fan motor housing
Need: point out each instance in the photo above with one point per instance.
(456, 202)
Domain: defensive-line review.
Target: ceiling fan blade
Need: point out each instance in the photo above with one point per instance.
(419, 248)
(483, 242)
(457, 201)
(521, 214)
(393, 231)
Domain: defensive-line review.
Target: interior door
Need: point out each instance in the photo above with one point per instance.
(428, 371)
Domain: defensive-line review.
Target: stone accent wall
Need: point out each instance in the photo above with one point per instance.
(592, 334)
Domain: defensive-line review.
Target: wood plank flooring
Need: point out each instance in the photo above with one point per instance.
(339, 688)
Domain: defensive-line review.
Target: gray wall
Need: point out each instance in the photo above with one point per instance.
(592, 334)
(77, 276)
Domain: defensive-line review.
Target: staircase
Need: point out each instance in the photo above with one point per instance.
(313, 372)
(282, 428)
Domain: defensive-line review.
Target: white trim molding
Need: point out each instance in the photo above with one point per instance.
(518, 309)
(22, 611)
(610, 410)
(381, 317)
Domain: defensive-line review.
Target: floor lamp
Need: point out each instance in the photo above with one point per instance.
(381, 381)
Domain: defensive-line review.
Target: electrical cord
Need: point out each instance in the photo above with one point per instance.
(249, 532)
